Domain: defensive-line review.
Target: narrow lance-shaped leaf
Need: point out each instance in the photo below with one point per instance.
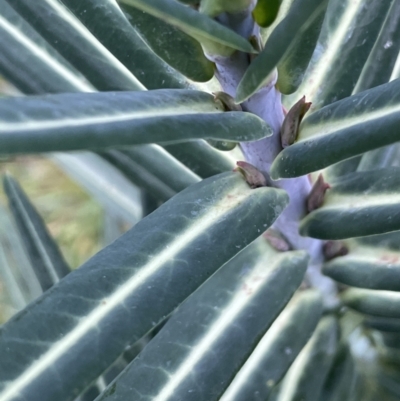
(109, 25)
(29, 62)
(342, 377)
(382, 324)
(347, 128)
(138, 283)
(174, 46)
(55, 23)
(348, 34)
(153, 169)
(104, 182)
(213, 8)
(277, 349)
(16, 272)
(283, 41)
(306, 376)
(378, 158)
(212, 333)
(197, 25)
(356, 205)
(374, 268)
(116, 119)
(201, 158)
(292, 67)
(46, 258)
(373, 302)
(379, 65)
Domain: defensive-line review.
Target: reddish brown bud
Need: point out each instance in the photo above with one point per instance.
(290, 126)
(316, 197)
(333, 249)
(227, 101)
(254, 177)
(276, 240)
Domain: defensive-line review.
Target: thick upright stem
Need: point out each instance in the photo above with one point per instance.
(267, 104)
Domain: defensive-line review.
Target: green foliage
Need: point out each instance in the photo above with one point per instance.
(227, 285)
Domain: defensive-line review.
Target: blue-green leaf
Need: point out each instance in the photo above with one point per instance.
(277, 349)
(293, 34)
(175, 47)
(358, 204)
(373, 302)
(105, 20)
(195, 24)
(118, 119)
(56, 24)
(29, 62)
(210, 336)
(45, 256)
(81, 325)
(347, 128)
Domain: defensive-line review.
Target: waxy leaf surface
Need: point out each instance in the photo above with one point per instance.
(356, 205)
(212, 333)
(81, 325)
(118, 119)
(339, 131)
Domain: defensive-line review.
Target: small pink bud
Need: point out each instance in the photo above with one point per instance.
(254, 177)
(333, 249)
(316, 197)
(276, 240)
(290, 126)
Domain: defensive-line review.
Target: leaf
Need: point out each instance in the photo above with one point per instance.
(110, 26)
(213, 332)
(201, 158)
(342, 377)
(213, 8)
(45, 256)
(292, 67)
(29, 62)
(175, 47)
(277, 349)
(389, 241)
(306, 376)
(16, 272)
(153, 169)
(373, 302)
(282, 42)
(104, 182)
(83, 324)
(364, 267)
(116, 119)
(357, 204)
(197, 25)
(347, 128)
(348, 34)
(266, 12)
(378, 158)
(378, 67)
(54, 22)
(383, 324)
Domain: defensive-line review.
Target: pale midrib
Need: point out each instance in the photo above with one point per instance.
(320, 71)
(36, 239)
(45, 57)
(256, 358)
(107, 305)
(79, 27)
(228, 315)
(79, 121)
(327, 127)
(349, 201)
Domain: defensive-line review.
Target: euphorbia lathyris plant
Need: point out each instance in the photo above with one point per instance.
(264, 137)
